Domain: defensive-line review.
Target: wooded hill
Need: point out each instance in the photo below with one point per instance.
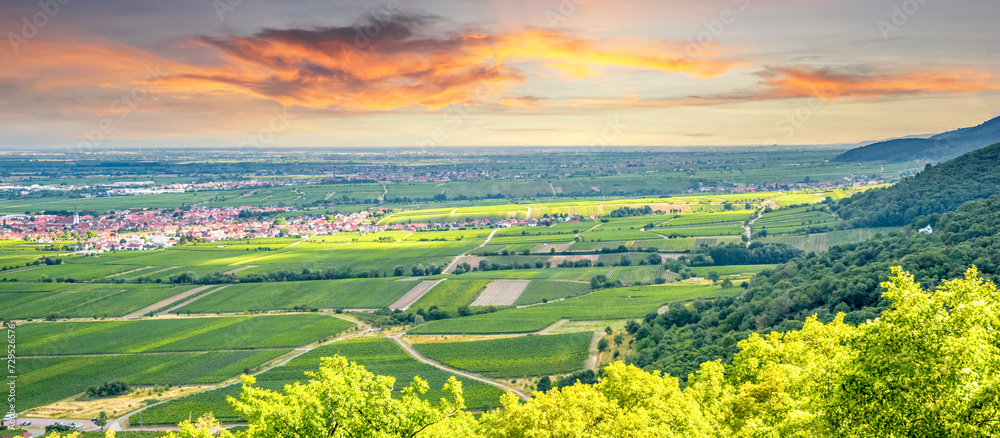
(935, 149)
(937, 189)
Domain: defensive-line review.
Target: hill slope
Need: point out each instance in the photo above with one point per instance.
(938, 189)
(935, 149)
(843, 279)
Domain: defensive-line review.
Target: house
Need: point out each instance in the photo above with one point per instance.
(927, 230)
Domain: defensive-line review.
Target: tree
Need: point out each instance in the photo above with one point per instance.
(626, 402)
(654, 259)
(619, 339)
(931, 360)
(727, 283)
(344, 399)
(204, 427)
(280, 221)
(926, 367)
(631, 326)
(398, 271)
(102, 419)
(602, 345)
(714, 276)
(544, 384)
(607, 330)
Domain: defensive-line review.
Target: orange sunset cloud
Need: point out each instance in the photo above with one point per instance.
(792, 82)
(403, 66)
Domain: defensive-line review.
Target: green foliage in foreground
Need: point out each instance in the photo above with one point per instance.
(928, 367)
(514, 357)
(125, 434)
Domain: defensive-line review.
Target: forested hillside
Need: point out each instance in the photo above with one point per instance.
(844, 279)
(938, 148)
(936, 190)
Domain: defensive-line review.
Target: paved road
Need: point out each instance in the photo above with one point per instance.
(593, 354)
(174, 308)
(419, 356)
(459, 257)
(414, 294)
(750, 225)
(40, 423)
(164, 303)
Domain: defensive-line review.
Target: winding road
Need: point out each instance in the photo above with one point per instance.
(749, 226)
(454, 262)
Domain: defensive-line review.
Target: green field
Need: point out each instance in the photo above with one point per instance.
(540, 290)
(451, 294)
(701, 231)
(630, 275)
(37, 300)
(44, 380)
(682, 220)
(182, 334)
(702, 271)
(574, 274)
(530, 355)
(629, 302)
(819, 242)
(323, 294)
(379, 355)
(794, 220)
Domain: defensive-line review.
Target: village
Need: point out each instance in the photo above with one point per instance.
(155, 229)
(128, 230)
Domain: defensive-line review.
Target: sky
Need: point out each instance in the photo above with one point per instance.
(89, 76)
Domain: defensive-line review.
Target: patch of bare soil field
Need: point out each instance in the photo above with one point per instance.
(544, 249)
(73, 408)
(196, 298)
(164, 303)
(238, 270)
(556, 260)
(413, 295)
(501, 293)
